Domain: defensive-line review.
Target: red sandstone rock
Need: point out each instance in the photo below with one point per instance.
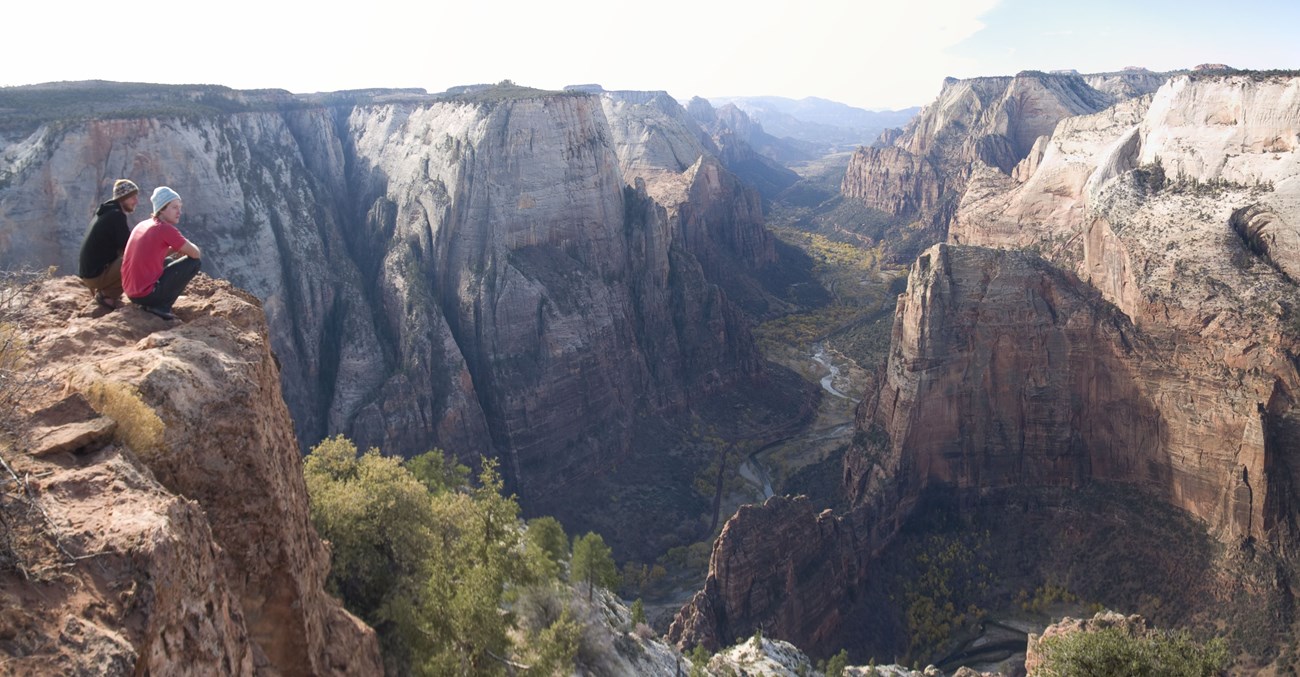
(780, 564)
(198, 553)
(1008, 372)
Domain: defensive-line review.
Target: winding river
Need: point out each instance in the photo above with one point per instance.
(832, 371)
(755, 471)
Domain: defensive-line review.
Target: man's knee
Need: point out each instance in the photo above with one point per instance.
(185, 266)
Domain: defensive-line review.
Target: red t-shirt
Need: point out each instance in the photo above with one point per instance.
(142, 262)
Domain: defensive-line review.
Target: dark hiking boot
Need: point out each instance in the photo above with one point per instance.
(160, 312)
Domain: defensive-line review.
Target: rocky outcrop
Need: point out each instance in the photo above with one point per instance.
(1271, 237)
(1043, 201)
(1127, 84)
(757, 579)
(920, 174)
(1006, 372)
(894, 181)
(746, 149)
(1186, 228)
(711, 205)
(654, 138)
(182, 539)
(469, 273)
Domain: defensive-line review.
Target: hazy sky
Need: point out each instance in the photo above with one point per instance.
(863, 52)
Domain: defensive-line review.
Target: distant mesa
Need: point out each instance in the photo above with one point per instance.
(1065, 71)
(589, 88)
(468, 89)
(1213, 67)
(1136, 69)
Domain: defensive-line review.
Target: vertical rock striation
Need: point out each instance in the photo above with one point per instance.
(481, 274)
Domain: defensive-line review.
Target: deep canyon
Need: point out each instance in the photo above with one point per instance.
(1088, 381)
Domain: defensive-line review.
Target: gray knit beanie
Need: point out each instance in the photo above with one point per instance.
(161, 196)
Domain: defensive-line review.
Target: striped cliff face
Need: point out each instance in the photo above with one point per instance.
(477, 275)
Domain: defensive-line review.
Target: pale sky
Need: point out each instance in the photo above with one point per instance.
(862, 52)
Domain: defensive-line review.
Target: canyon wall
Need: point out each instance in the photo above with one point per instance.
(481, 274)
(1119, 309)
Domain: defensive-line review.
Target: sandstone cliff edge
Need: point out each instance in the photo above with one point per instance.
(173, 535)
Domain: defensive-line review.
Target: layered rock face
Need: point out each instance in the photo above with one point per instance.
(757, 579)
(657, 139)
(1128, 83)
(266, 199)
(183, 540)
(1179, 210)
(711, 207)
(1006, 372)
(1148, 337)
(920, 174)
(894, 181)
(654, 138)
(474, 275)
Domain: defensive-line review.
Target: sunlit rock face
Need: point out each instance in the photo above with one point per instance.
(919, 174)
(1179, 208)
(184, 538)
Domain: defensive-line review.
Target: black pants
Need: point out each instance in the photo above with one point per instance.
(170, 284)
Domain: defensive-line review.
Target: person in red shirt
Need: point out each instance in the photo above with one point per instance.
(150, 281)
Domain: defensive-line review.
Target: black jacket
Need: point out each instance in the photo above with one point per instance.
(105, 239)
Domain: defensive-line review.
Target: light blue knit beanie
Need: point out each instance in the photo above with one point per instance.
(161, 196)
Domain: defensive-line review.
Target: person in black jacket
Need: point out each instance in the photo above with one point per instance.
(100, 268)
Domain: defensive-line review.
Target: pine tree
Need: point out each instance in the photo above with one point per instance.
(547, 546)
(836, 665)
(593, 563)
(556, 646)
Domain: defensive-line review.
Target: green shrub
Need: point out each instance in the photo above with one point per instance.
(699, 657)
(432, 564)
(836, 665)
(547, 546)
(1112, 651)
